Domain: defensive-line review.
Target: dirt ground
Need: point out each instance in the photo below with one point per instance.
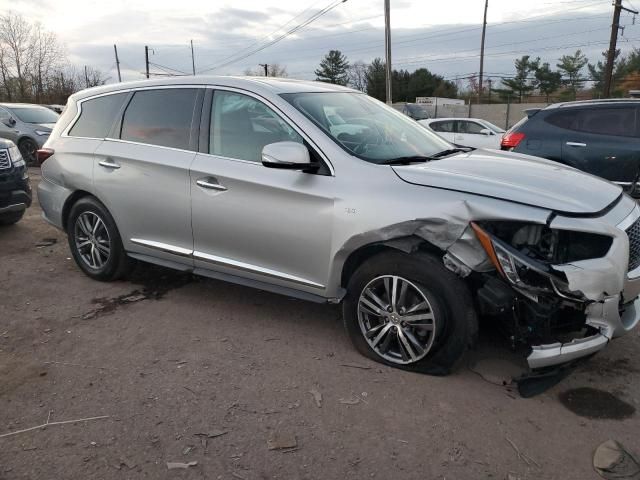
(195, 370)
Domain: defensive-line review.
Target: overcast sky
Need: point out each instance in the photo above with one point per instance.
(443, 36)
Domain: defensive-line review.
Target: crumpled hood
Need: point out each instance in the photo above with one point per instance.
(515, 177)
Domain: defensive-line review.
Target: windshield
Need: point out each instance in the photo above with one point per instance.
(493, 127)
(35, 114)
(369, 130)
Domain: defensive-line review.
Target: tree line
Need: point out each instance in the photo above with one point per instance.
(34, 67)
(371, 79)
(567, 79)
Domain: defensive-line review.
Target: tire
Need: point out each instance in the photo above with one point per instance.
(443, 339)
(95, 242)
(28, 150)
(11, 218)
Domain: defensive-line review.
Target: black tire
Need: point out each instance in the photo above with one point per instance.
(456, 323)
(116, 264)
(11, 218)
(28, 150)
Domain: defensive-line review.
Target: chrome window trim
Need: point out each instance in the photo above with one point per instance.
(65, 133)
(278, 111)
(148, 145)
(253, 268)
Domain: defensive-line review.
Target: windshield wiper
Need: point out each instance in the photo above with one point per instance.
(451, 151)
(405, 160)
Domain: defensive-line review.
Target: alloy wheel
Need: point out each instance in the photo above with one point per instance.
(92, 240)
(396, 319)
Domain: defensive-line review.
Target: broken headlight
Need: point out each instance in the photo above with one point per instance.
(524, 254)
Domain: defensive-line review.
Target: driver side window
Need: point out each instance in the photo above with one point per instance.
(241, 126)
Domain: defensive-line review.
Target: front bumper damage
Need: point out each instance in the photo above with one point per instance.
(609, 306)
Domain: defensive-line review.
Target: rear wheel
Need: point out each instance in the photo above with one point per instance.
(11, 218)
(95, 242)
(409, 312)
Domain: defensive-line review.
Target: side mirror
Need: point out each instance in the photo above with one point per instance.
(287, 155)
(7, 120)
(486, 131)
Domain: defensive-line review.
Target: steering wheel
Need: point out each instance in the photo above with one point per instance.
(367, 141)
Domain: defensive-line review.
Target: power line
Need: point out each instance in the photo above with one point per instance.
(291, 31)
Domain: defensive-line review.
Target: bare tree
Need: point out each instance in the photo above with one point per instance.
(46, 55)
(15, 34)
(357, 73)
(93, 77)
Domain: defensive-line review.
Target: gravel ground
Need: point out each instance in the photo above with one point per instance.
(195, 370)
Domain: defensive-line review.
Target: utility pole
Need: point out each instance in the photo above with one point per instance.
(146, 59)
(387, 49)
(611, 54)
(266, 68)
(115, 49)
(484, 30)
(86, 77)
(193, 59)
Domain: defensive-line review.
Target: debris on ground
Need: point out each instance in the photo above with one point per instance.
(281, 441)
(521, 455)
(350, 401)
(48, 423)
(179, 465)
(351, 365)
(317, 396)
(612, 461)
(46, 242)
(212, 434)
(188, 449)
(125, 462)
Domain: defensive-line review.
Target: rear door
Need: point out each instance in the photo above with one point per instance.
(469, 134)
(141, 171)
(260, 223)
(604, 141)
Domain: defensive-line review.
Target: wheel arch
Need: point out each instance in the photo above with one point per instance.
(71, 201)
(407, 244)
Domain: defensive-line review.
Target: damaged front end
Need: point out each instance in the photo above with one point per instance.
(561, 292)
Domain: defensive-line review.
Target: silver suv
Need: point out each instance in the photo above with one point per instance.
(247, 180)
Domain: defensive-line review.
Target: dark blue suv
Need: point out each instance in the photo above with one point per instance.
(601, 137)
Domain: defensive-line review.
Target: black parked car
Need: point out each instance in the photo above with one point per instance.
(15, 191)
(601, 137)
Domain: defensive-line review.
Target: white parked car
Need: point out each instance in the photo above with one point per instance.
(468, 132)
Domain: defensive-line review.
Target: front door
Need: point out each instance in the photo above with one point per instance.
(143, 173)
(259, 223)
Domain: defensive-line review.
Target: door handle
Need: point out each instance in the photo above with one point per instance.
(576, 144)
(108, 164)
(210, 183)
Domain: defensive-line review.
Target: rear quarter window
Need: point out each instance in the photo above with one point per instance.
(160, 117)
(566, 119)
(97, 116)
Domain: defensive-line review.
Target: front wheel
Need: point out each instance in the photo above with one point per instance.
(95, 242)
(410, 312)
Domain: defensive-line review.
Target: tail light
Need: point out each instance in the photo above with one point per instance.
(511, 140)
(43, 154)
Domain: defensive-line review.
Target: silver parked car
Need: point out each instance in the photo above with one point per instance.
(26, 125)
(243, 179)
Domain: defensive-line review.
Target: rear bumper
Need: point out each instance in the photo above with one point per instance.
(15, 195)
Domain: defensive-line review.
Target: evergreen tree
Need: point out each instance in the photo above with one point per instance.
(571, 68)
(333, 68)
(376, 79)
(548, 81)
(522, 84)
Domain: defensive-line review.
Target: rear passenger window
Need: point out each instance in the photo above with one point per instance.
(446, 127)
(160, 117)
(242, 125)
(565, 119)
(97, 116)
(608, 121)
